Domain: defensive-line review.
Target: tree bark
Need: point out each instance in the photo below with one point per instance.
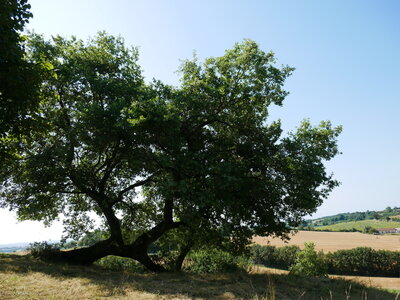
(182, 255)
(82, 256)
(137, 250)
(88, 255)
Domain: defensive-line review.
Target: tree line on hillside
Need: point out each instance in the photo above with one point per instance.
(197, 165)
(389, 214)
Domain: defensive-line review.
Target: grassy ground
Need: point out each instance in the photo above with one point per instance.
(22, 277)
(360, 225)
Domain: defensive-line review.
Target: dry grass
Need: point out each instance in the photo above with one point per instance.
(388, 283)
(333, 241)
(22, 277)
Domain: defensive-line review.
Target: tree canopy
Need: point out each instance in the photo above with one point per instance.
(197, 164)
(18, 78)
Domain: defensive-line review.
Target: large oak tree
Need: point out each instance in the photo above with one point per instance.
(197, 163)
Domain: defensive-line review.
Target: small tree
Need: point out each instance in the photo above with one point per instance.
(309, 262)
(370, 230)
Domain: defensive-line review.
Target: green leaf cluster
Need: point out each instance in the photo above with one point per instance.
(148, 158)
(309, 262)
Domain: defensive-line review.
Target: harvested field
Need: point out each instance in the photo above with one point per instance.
(379, 282)
(333, 241)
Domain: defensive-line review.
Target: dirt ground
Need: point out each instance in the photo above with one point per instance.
(332, 241)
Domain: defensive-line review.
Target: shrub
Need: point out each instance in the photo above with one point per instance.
(370, 230)
(309, 262)
(69, 245)
(216, 261)
(357, 261)
(274, 257)
(263, 255)
(117, 263)
(42, 249)
(91, 238)
(286, 256)
(364, 261)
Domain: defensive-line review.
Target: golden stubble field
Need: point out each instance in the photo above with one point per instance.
(379, 282)
(333, 241)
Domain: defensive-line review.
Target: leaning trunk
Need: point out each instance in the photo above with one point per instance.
(82, 256)
(136, 250)
(181, 257)
(88, 255)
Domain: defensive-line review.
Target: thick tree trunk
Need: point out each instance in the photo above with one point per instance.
(181, 257)
(88, 255)
(136, 251)
(83, 256)
(145, 260)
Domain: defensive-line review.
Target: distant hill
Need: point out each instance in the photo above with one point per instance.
(14, 247)
(9, 248)
(361, 226)
(356, 221)
(392, 214)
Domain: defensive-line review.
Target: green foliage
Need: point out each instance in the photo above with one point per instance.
(360, 226)
(370, 230)
(86, 90)
(215, 261)
(208, 163)
(18, 77)
(309, 262)
(69, 245)
(88, 239)
(354, 217)
(19, 83)
(364, 261)
(272, 256)
(117, 263)
(14, 14)
(357, 261)
(91, 238)
(263, 255)
(42, 249)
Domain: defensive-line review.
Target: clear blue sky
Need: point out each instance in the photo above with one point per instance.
(346, 55)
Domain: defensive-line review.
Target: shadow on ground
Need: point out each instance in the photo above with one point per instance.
(194, 286)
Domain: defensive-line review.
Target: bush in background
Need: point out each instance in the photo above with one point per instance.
(272, 256)
(309, 262)
(42, 249)
(216, 261)
(364, 261)
(117, 263)
(370, 230)
(357, 261)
